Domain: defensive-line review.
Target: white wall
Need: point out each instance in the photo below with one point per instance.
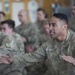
(16, 7)
(0, 6)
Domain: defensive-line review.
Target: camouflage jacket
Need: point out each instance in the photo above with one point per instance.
(19, 42)
(29, 31)
(53, 51)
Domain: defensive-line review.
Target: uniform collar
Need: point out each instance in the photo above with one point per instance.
(68, 35)
(66, 40)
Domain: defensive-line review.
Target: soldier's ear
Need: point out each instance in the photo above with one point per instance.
(64, 26)
(12, 29)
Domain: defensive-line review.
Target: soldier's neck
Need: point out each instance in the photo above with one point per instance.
(10, 33)
(63, 36)
(24, 23)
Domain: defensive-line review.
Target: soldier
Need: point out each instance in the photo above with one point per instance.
(28, 31)
(72, 20)
(45, 25)
(22, 15)
(7, 47)
(7, 43)
(62, 42)
(7, 27)
(41, 15)
(44, 37)
(39, 68)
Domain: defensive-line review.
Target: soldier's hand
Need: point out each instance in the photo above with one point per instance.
(69, 59)
(29, 48)
(6, 59)
(24, 39)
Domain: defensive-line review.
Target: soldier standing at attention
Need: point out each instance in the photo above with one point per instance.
(62, 43)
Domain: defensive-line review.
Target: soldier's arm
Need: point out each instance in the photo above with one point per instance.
(70, 58)
(5, 40)
(20, 44)
(7, 45)
(26, 59)
(17, 29)
(34, 32)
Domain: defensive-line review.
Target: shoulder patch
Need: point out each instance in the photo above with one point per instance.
(8, 45)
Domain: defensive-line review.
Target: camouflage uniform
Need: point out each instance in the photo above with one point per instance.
(18, 41)
(53, 51)
(7, 46)
(29, 31)
(72, 24)
(39, 25)
(38, 68)
(43, 38)
(20, 45)
(7, 43)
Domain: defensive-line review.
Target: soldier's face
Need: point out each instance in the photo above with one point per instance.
(73, 11)
(22, 17)
(40, 15)
(56, 27)
(6, 29)
(46, 28)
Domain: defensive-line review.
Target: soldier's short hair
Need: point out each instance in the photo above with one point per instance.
(61, 17)
(10, 23)
(41, 9)
(1, 12)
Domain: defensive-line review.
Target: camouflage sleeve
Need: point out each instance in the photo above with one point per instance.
(73, 47)
(34, 32)
(20, 44)
(29, 58)
(7, 44)
(17, 29)
(6, 41)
